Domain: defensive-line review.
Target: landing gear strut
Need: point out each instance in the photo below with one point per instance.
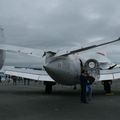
(48, 87)
(107, 86)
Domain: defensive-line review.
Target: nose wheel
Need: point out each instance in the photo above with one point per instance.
(48, 87)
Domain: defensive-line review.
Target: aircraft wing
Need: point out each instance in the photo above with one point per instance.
(22, 50)
(88, 47)
(40, 53)
(43, 76)
(112, 74)
(39, 75)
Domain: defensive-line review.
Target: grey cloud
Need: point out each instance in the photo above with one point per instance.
(59, 23)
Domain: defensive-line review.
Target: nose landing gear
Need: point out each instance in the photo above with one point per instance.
(48, 87)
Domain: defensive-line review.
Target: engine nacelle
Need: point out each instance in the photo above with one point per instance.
(92, 67)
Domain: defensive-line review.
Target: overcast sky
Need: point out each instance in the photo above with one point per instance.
(56, 24)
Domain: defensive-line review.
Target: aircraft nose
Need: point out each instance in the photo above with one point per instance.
(49, 68)
(53, 71)
(46, 67)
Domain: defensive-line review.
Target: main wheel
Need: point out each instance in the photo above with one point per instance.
(107, 86)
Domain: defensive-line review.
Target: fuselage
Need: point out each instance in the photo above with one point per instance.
(66, 70)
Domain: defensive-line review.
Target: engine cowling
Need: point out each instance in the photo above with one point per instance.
(92, 67)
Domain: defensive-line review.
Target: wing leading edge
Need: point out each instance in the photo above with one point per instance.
(22, 50)
(40, 53)
(38, 75)
(95, 45)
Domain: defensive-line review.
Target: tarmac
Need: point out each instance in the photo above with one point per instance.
(31, 103)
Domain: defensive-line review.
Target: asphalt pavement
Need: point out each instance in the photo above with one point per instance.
(31, 103)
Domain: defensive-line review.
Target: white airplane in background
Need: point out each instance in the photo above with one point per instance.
(65, 67)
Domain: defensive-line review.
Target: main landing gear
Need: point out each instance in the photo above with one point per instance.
(48, 87)
(107, 86)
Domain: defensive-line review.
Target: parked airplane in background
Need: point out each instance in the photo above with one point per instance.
(65, 67)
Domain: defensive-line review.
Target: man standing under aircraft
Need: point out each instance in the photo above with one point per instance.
(90, 81)
(83, 83)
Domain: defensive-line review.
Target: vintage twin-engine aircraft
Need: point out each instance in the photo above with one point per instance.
(65, 67)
